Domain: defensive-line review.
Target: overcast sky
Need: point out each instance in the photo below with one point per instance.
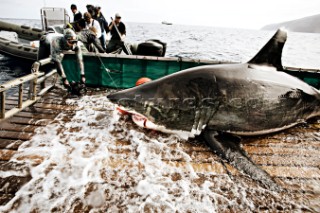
(251, 14)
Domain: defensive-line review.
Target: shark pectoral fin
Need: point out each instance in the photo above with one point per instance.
(228, 147)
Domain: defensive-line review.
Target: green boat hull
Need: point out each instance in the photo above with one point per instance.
(122, 71)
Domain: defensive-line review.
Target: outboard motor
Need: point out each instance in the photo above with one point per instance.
(152, 47)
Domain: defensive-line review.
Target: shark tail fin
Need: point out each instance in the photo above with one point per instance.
(271, 53)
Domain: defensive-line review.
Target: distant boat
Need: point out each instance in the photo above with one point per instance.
(166, 23)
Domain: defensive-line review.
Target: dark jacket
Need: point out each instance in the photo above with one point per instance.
(103, 23)
(121, 28)
(77, 16)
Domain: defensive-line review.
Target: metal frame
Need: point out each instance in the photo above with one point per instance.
(34, 78)
(44, 20)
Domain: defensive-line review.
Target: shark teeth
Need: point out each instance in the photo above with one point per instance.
(143, 122)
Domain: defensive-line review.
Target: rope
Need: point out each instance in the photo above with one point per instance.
(107, 70)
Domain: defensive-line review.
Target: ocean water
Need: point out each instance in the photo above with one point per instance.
(237, 45)
(94, 160)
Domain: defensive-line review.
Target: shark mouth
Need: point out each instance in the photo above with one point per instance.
(143, 122)
(139, 119)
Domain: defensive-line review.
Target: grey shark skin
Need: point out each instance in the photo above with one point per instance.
(222, 102)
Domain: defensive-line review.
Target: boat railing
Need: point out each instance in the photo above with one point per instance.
(302, 69)
(35, 79)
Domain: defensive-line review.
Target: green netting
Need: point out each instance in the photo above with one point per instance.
(124, 72)
(315, 82)
(311, 78)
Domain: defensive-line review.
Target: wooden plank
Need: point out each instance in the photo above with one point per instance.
(14, 111)
(292, 161)
(204, 168)
(308, 146)
(309, 141)
(36, 110)
(5, 198)
(281, 151)
(292, 172)
(13, 101)
(267, 160)
(17, 169)
(10, 144)
(53, 102)
(14, 135)
(32, 159)
(11, 184)
(40, 104)
(30, 121)
(9, 107)
(49, 94)
(17, 127)
(300, 184)
(57, 107)
(6, 155)
(35, 115)
(33, 109)
(198, 157)
(49, 97)
(188, 147)
(54, 93)
(49, 106)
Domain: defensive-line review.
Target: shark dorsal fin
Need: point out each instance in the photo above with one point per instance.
(271, 53)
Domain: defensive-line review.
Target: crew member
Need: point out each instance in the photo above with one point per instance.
(92, 24)
(90, 9)
(88, 38)
(76, 14)
(116, 40)
(103, 25)
(54, 44)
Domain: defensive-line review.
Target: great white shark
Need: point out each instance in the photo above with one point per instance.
(222, 102)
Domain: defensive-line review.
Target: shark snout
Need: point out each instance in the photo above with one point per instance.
(120, 96)
(114, 98)
(126, 98)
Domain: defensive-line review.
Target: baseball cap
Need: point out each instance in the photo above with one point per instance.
(70, 35)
